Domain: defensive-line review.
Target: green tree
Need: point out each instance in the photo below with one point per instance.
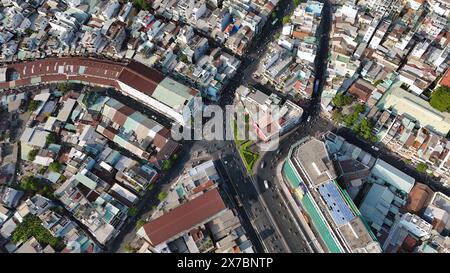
(55, 167)
(360, 108)
(350, 119)
(274, 15)
(297, 2)
(337, 117)
(32, 154)
(140, 223)
(36, 185)
(63, 87)
(167, 165)
(32, 226)
(132, 211)
(364, 130)
(42, 170)
(341, 100)
(130, 249)
(162, 195)
(33, 105)
(52, 137)
(174, 157)
(141, 4)
(286, 20)
(440, 99)
(184, 58)
(421, 167)
(6, 135)
(377, 82)
(28, 32)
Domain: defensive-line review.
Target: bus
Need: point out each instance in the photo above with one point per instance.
(316, 86)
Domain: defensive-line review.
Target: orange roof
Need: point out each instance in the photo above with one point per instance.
(418, 198)
(445, 81)
(299, 34)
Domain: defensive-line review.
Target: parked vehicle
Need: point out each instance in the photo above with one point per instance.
(266, 184)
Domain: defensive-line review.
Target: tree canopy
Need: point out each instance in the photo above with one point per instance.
(350, 119)
(140, 223)
(364, 130)
(341, 100)
(55, 167)
(360, 108)
(440, 99)
(32, 226)
(33, 105)
(28, 32)
(36, 185)
(32, 154)
(141, 4)
(162, 195)
(421, 167)
(51, 138)
(63, 87)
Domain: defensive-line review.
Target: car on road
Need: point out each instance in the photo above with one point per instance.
(266, 184)
(263, 164)
(308, 119)
(375, 148)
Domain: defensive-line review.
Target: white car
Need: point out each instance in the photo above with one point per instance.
(266, 184)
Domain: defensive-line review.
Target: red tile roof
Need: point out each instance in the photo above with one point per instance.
(184, 217)
(96, 71)
(446, 79)
(141, 77)
(203, 186)
(361, 89)
(418, 198)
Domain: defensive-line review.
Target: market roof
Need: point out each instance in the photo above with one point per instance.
(184, 217)
(173, 94)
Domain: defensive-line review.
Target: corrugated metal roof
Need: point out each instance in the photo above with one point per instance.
(64, 113)
(85, 181)
(173, 94)
(184, 217)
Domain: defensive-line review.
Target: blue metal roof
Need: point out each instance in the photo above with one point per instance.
(337, 206)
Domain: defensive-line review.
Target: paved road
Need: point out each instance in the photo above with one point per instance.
(315, 126)
(270, 216)
(274, 227)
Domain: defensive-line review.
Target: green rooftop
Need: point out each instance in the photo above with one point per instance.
(319, 224)
(310, 40)
(291, 175)
(86, 181)
(342, 59)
